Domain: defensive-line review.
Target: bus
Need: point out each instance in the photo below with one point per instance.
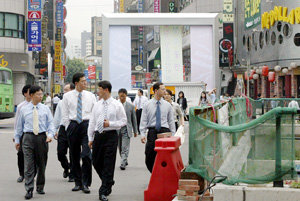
(6, 93)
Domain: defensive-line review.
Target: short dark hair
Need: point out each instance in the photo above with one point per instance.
(105, 85)
(72, 86)
(25, 89)
(122, 90)
(76, 77)
(169, 92)
(141, 91)
(34, 89)
(259, 94)
(156, 86)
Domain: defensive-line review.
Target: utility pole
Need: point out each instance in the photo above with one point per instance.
(248, 75)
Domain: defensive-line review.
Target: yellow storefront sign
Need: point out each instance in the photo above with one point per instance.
(121, 6)
(280, 14)
(57, 57)
(56, 88)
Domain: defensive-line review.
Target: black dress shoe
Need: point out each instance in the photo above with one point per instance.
(40, 191)
(71, 179)
(86, 189)
(65, 174)
(20, 179)
(103, 198)
(122, 167)
(76, 188)
(108, 192)
(28, 195)
(126, 164)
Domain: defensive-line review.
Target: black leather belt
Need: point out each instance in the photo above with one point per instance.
(104, 132)
(151, 128)
(31, 133)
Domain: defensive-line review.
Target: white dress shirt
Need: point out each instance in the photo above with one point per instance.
(140, 99)
(48, 101)
(69, 106)
(56, 100)
(57, 120)
(115, 115)
(148, 118)
(293, 104)
(19, 107)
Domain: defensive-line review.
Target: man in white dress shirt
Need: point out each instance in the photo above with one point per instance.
(107, 117)
(139, 103)
(77, 110)
(25, 92)
(62, 138)
(157, 117)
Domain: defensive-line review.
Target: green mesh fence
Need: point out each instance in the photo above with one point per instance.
(243, 148)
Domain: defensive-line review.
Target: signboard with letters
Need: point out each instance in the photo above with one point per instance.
(141, 54)
(226, 46)
(59, 14)
(34, 36)
(34, 15)
(34, 5)
(252, 13)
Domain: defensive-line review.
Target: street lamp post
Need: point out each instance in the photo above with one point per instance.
(248, 75)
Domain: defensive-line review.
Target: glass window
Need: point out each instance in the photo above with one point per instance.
(21, 23)
(5, 77)
(8, 33)
(11, 21)
(1, 20)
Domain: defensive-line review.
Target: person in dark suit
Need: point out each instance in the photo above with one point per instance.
(125, 133)
(182, 102)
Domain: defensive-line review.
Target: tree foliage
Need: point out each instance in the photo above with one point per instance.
(73, 66)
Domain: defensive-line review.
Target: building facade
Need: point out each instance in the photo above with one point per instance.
(96, 36)
(13, 48)
(85, 36)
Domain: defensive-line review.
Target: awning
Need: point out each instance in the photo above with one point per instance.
(153, 54)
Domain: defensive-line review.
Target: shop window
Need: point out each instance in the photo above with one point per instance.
(273, 38)
(12, 25)
(287, 30)
(261, 40)
(254, 41)
(248, 43)
(267, 37)
(244, 40)
(280, 39)
(279, 26)
(297, 39)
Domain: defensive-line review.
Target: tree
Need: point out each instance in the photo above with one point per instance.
(73, 66)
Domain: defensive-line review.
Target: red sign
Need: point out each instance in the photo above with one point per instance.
(65, 27)
(33, 15)
(65, 12)
(92, 72)
(132, 79)
(64, 70)
(148, 78)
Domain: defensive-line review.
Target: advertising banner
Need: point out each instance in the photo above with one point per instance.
(141, 53)
(202, 61)
(156, 6)
(34, 36)
(34, 15)
(57, 88)
(92, 72)
(132, 80)
(34, 5)
(228, 15)
(148, 78)
(121, 6)
(171, 54)
(140, 6)
(86, 75)
(156, 28)
(59, 13)
(252, 13)
(226, 46)
(57, 57)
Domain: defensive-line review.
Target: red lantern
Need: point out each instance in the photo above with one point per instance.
(251, 74)
(235, 75)
(246, 75)
(265, 71)
(271, 76)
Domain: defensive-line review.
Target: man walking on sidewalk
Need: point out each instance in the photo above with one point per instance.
(157, 117)
(77, 109)
(125, 133)
(35, 121)
(139, 103)
(108, 116)
(25, 92)
(62, 138)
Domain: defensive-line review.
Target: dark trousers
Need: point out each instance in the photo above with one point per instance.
(35, 149)
(54, 108)
(150, 145)
(104, 158)
(176, 126)
(78, 141)
(62, 149)
(21, 159)
(138, 118)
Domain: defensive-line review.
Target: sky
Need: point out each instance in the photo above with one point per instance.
(79, 13)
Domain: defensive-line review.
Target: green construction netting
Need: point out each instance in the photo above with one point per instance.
(244, 146)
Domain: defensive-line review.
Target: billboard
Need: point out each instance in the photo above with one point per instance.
(92, 72)
(34, 36)
(34, 5)
(252, 13)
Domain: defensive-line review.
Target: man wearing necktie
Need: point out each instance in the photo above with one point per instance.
(157, 117)
(108, 116)
(77, 108)
(34, 122)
